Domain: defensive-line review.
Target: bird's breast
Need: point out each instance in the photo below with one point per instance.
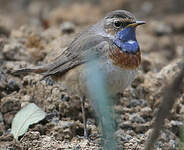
(123, 59)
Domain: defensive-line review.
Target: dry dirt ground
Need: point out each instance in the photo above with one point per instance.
(33, 32)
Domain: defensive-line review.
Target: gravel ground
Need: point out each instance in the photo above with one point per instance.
(34, 35)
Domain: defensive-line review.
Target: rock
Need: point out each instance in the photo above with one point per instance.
(4, 31)
(170, 71)
(125, 125)
(7, 85)
(122, 136)
(141, 128)
(13, 86)
(52, 117)
(1, 117)
(3, 80)
(66, 124)
(180, 51)
(146, 112)
(135, 102)
(176, 127)
(3, 41)
(136, 118)
(178, 24)
(133, 143)
(172, 144)
(67, 27)
(146, 65)
(176, 123)
(9, 107)
(2, 127)
(65, 96)
(41, 142)
(161, 28)
(138, 80)
(154, 83)
(77, 147)
(15, 51)
(65, 130)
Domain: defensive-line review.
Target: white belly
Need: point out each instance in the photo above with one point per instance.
(116, 79)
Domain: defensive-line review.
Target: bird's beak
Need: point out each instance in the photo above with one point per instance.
(137, 23)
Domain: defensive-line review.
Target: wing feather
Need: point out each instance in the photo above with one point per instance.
(87, 44)
(77, 54)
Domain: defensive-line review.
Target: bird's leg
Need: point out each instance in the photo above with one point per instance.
(84, 117)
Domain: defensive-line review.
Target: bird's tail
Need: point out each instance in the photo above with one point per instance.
(36, 69)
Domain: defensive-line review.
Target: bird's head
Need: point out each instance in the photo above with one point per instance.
(119, 20)
(120, 26)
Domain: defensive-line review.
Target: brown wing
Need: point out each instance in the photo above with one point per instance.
(79, 52)
(84, 46)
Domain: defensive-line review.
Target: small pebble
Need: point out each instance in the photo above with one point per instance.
(66, 124)
(67, 27)
(136, 118)
(126, 125)
(176, 123)
(135, 102)
(161, 28)
(1, 117)
(176, 126)
(122, 136)
(3, 80)
(13, 86)
(65, 97)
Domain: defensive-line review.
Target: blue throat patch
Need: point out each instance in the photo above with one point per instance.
(126, 40)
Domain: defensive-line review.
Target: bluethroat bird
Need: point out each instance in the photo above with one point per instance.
(112, 41)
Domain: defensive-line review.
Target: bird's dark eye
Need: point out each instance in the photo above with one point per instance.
(117, 24)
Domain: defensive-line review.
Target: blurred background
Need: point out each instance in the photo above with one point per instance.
(165, 24)
(35, 31)
(19, 12)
